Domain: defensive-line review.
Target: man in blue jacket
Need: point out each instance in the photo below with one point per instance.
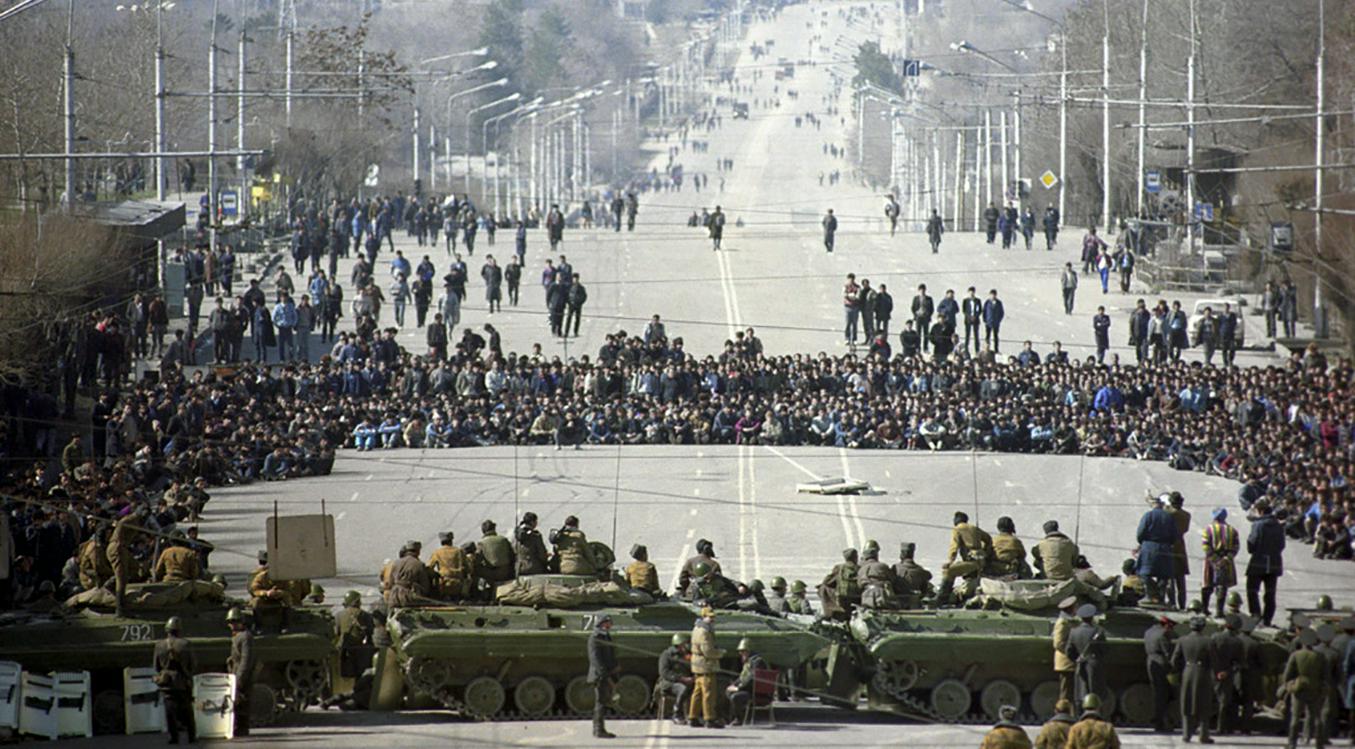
(1265, 543)
(1156, 536)
(992, 319)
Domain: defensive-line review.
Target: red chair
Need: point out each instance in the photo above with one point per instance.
(764, 695)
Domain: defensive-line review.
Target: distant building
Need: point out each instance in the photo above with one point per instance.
(631, 9)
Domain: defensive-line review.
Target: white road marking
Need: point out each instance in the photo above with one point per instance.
(851, 500)
(743, 518)
(793, 462)
(752, 510)
(369, 477)
(354, 498)
(691, 532)
(340, 516)
(692, 512)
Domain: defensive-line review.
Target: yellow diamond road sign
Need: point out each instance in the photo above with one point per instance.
(1048, 179)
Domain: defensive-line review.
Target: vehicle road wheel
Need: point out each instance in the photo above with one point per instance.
(632, 695)
(428, 675)
(579, 695)
(109, 712)
(534, 696)
(484, 697)
(1136, 704)
(263, 705)
(1042, 699)
(997, 693)
(951, 699)
(1108, 702)
(307, 680)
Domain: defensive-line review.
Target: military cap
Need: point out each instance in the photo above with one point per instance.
(572, 521)
(317, 589)
(174, 625)
(1086, 611)
(745, 645)
(1052, 526)
(352, 598)
(1235, 599)
(1006, 525)
(487, 526)
(704, 546)
(960, 517)
(263, 557)
(681, 638)
(177, 535)
(849, 555)
(1007, 712)
(1196, 606)
(1068, 603)
(779, 584)
(1308, 638)
(906, 549)
(1326, 633)
(798, 586)
(638, 551)
(529, 517)
(446, 537)
(1197, 623)
(707, 612)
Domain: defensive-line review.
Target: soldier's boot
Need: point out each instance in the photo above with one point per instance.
(943, 595)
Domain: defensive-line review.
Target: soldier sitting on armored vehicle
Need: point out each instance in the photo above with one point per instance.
(573, 556)
(705, 554)
(1132, 587)
(878, 583)
(914, 580)
(1083, 573)
(494, 557)
(1009, 554)
(970, 549)
(1055, 554)
(451, 569)
(840, 590)
(641, 574)
(710, 588)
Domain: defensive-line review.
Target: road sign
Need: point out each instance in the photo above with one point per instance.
(373, 175)
(1152, 181)
(912, 68)
(230, 203)
(1281, 236)
(1049, 179)
(1205, 212)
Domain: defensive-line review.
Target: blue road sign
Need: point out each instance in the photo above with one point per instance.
(1152, 181)
(912, 68)
(1204, 212)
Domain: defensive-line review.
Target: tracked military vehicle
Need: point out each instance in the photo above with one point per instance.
(86, 635)
(487, 661)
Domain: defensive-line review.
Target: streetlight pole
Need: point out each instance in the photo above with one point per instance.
(1105, 122)
(291, 39)
(242, 202)
(159, 102)
(1318, 323)
(469, 113)
(68, 104)
(211, 128)
(1143, 104)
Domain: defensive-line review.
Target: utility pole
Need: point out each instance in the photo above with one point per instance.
(1143, 103)
(68, 104)
(1006, 178)
(1190, 135)
(1016, 151)
(1319, 323)
(959, 177)
(432, 157)
(415, 171)
(211, 127)
(160, 176)
(532, 185)
(988, 152)
(362, 93)
(1063, 126)
(291, 39)
(243, 201)
(1105, 123)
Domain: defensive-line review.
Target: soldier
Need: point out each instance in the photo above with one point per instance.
(360, 697)
(915, 581)
(970, 550)
(177, 563)
(1132, 587)
(1092, 731)
(1064, 666)
(1229, 660)
(1006, 734)
(354, 629)
(705, 666)
(1055, 554)
(1009, 554)
(710, 588)
(174, 668)
(268, 598)
(1235, 603)
(411, 584)
(1326, 634)
(95, 569)
(675, 674)
(316, 597)
(705, 552)
(1251, 686)
(241, 664)
(1305, 683)
(1054, 733)
(1221, 544)
(529, 547)
(572, 553)
(119, 551)
(602, 673)
(452, 569)
(1194, 658)
(641, 574)
(1087, 648)
(496, 556)
(798, 603)
(1159, 644)
(740, 692)
(840, 590)
(876, 581)
(777, 602)
(1345, 650)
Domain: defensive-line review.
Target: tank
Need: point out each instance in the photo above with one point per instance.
(490, 661)
(962, 665)
(294, 665)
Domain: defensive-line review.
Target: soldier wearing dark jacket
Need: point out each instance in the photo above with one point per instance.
(675, 673)
(1230, 656)
(174, 667)
(1159, 644)
(529, 547)
(1087, 649)
(494, 556)
(241, 664)
(602, 671)
(705, 552)
(1194, 659)
(1304, 683)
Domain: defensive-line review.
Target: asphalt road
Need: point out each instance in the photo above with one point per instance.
(774, 276)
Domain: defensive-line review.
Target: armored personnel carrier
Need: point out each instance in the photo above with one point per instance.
(86, 635)
(491, 660)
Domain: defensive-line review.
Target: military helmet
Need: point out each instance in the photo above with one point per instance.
(317, 590)
(1235, 600)
(745, 645)
(701, 569)
(872, 544)
(756, 586)
(707, 612)
(1091, 702)
(681, 638)
(798, 586)
(219, 579)
(1324, 602)
(236, 614)
(778, 583)
(352, 598)
(1196, 606)
(174, 625)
